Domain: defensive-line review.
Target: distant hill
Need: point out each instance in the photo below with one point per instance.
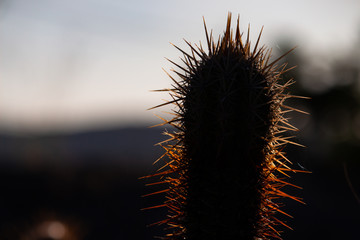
(124, 146)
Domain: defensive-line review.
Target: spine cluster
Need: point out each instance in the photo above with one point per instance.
(224, 166)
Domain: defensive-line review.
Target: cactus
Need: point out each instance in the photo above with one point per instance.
(222, 164)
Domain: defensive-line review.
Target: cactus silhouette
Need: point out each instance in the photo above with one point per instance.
(222, 164)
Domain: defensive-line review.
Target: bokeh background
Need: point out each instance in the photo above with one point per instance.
(74, 88)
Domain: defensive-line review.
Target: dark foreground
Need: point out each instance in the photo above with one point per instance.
(95, 192)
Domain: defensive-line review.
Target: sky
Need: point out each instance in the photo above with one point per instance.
(75, 65)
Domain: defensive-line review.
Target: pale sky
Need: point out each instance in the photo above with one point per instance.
(67, 65)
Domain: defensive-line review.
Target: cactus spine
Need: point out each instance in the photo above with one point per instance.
(221, 166)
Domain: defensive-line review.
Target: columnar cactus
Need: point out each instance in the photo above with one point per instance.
(222, 164)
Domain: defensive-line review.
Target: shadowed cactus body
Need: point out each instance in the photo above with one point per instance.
(221, 165)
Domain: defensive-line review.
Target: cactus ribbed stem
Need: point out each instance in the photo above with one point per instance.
(221, 166)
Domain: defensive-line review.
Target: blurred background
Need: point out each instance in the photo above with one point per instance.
(74, 88)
